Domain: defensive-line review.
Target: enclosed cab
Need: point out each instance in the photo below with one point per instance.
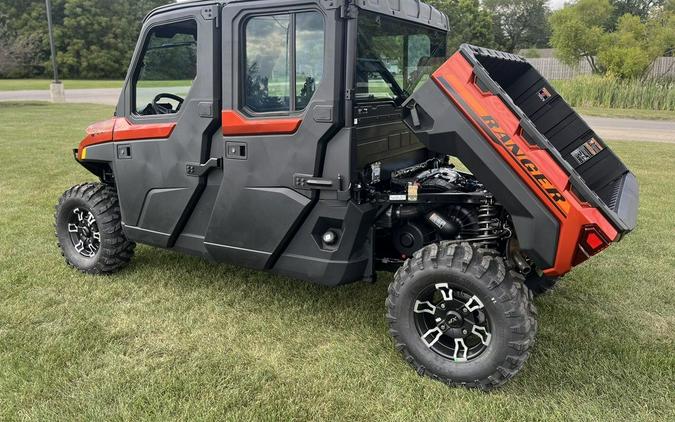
(327, 140)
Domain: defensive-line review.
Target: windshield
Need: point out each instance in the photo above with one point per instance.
(394, 57)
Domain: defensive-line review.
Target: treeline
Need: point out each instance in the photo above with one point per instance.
(95, 38)
(620, 38)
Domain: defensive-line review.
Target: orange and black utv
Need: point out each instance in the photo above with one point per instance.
(319, 139)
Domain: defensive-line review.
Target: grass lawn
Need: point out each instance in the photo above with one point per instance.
(177, 337)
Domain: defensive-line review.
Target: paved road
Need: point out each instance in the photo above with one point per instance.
(607, 128)
(106, 96)
(633, 129)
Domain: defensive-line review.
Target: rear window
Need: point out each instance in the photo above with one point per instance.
(394, 56)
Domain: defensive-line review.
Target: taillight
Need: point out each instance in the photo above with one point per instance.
(591, 242)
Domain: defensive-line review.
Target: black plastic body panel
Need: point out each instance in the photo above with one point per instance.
(381, 135)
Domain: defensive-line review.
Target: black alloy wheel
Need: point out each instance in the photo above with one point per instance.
(452, 322)
(84, 234)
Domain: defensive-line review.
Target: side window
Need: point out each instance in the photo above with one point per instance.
(272, 44)
(167, 69)
(267, 63)
(309, 44)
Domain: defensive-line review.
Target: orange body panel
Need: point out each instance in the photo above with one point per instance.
(127, 131)
(98, 133)
(234, 124)
(120, 129)
(534, 166)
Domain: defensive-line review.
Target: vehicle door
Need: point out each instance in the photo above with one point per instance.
(281, 94)
(168, 111)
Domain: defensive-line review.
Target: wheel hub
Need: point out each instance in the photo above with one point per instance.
(454, 319)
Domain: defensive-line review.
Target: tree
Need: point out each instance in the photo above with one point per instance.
(98, 36)
(469, 23)
(578, 30)
(17, 52)
(628, 51)
(95, 38)
(584, 31)
(641, 8)
(519, 23)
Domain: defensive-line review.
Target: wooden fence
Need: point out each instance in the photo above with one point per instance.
(552, 68)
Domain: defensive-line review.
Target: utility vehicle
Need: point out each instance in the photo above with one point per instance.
(329, 139)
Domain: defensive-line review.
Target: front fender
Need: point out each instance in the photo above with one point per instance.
(97, 159)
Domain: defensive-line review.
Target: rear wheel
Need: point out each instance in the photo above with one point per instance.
(89, 229)
(458, 316)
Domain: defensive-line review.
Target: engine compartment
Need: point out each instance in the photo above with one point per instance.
(431, 202)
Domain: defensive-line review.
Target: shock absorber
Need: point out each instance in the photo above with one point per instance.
(487, 229)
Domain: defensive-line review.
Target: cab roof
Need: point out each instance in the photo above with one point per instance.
(410, 10)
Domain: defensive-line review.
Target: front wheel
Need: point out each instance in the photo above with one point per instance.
(458, 316)
(89, 229)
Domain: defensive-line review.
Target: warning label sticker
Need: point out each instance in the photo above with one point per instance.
(588, 150)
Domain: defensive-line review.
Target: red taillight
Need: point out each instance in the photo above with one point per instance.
(594, 241)
(591, 242)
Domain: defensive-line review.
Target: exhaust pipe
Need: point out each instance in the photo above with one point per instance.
(521, 263)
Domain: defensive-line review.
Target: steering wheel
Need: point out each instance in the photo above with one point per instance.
(160, 109)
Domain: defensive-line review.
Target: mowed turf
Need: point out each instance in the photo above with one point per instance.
(177, 337)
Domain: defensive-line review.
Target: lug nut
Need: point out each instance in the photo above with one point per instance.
(442, 305)
(443, 327)
(464, 332)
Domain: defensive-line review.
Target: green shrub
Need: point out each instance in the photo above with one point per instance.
(531, 53)
(608, 92)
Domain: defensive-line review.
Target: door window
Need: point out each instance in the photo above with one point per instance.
(284, 57)
(167, 69)
(309, 44)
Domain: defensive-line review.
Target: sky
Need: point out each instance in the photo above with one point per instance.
(555, 4)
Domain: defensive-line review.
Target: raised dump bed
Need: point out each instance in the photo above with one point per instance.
(535, 99)
(554, 153)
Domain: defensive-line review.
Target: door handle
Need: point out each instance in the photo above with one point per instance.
(205, 110)
(307, 181)
(198, 170)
